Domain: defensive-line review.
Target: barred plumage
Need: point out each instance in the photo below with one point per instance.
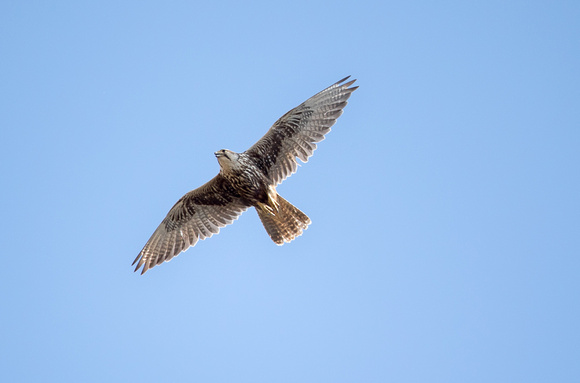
(250, 179)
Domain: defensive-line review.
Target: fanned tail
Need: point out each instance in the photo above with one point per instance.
(284, 223)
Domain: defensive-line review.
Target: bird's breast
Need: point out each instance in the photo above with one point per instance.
(249, 183)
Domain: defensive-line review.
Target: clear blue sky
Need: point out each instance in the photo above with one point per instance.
(445, 243)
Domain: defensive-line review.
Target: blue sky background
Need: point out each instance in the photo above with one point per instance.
(445, 240)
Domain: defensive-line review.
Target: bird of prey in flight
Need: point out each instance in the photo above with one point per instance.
(249, 179)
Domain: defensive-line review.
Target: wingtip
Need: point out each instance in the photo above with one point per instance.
(140, 264)
(347, 84)
(143, 271)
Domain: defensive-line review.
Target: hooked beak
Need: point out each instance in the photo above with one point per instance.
(222, 153)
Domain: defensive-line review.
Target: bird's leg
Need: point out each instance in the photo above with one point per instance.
(272, 205)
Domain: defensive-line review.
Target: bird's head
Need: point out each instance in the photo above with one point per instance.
(227, 159)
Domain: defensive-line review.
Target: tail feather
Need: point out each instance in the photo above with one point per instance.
(284, 224)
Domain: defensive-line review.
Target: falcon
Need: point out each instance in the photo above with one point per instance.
(249, 179)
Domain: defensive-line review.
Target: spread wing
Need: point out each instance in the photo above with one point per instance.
(197, 215)
(296, 133)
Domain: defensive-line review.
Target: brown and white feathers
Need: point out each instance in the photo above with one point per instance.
(250, 179)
